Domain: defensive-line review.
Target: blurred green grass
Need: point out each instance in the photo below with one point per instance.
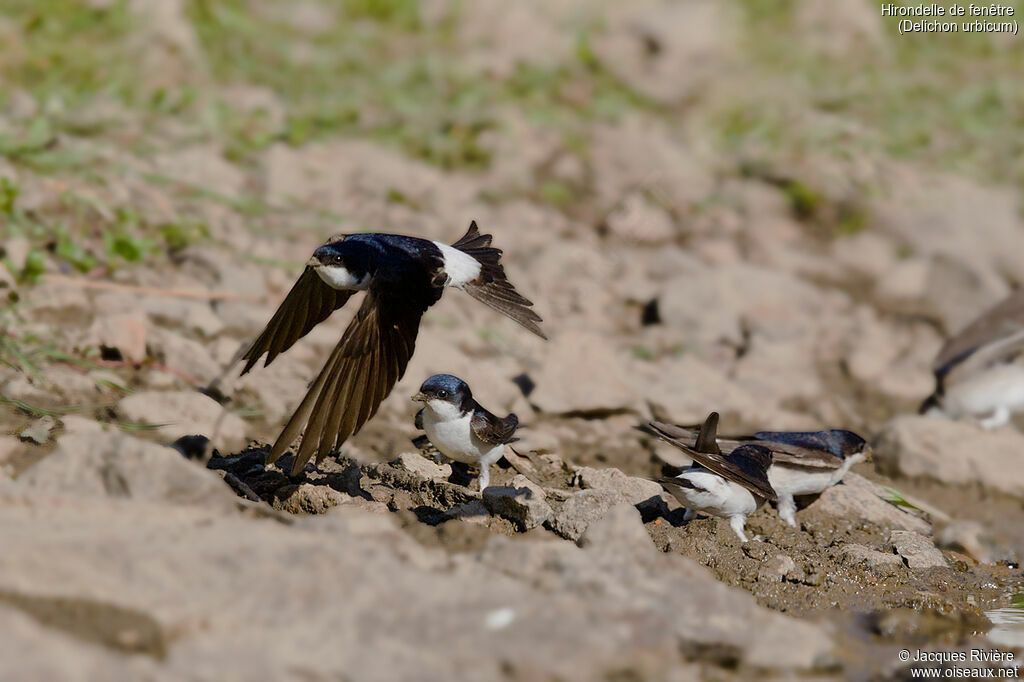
(945, 101)
(375, 69)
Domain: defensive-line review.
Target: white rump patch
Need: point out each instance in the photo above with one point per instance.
(460, 267)
(338, 277)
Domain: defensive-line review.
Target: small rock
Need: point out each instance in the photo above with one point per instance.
(857, 497)
(126, 333)
(39, 431)
(917, 550)
(565, 383)
(756, 550)
(972, 539)
(182, 355)
(859, 556)
(582, 509)
(184, 315)
(75, 424)
(638, 220)
(815, 575)
(522, 501)
(956, 452)
(422, 467)
(777, 568)
(311, 499)
(114, 464)
(633, 489)
(620, 529)
(184, 413)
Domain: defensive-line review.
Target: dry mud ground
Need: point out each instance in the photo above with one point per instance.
(699, 232)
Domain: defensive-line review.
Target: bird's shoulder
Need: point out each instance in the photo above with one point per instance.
(409, 270)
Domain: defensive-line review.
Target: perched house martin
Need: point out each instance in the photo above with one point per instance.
(403, 276)
(803, 462)
(729, 485)
(980, 371)
(459, 427)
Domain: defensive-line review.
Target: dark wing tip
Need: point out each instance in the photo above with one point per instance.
(707, 438)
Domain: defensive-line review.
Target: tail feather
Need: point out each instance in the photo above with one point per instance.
(492, 287)
(707, 438)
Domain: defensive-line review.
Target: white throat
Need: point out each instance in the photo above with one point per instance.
(443, 411)
(338, 277)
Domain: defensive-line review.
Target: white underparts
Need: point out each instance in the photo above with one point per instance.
(338, 277)
(460, 267)
(451, 432)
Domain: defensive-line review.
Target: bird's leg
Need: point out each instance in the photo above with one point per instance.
(485, 476)
(737, 522)
(1000, 416)
(689, 514)
(787, 509)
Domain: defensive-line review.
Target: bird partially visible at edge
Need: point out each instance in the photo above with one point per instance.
(979, 372)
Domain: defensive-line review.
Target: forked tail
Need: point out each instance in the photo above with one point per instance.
(491, 286)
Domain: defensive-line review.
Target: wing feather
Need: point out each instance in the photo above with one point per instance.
(732, 467)
(492, 430)
(361, 371)
(309, 303)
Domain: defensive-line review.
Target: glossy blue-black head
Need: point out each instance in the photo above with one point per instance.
(343, 264)
(446, 388)
(329, 254)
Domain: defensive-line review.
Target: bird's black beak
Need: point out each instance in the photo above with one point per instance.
(313, 262)
(420, 397)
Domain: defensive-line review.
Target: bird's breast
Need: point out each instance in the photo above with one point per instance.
(453, 437)
(715, 494)
(799, 481)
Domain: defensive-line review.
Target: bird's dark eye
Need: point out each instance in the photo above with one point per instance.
(442, 393)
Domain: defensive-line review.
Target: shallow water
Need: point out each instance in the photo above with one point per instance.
(1008, 624)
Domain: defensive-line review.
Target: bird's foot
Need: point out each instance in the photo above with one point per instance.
(1000, 416)
(737, 523)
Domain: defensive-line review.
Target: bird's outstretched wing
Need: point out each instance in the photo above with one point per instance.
(360, 372)
(309, 303)
(492, 430)
(491, 287)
